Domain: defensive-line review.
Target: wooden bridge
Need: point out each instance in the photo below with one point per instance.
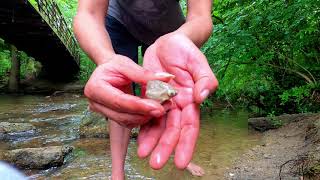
(40, 30)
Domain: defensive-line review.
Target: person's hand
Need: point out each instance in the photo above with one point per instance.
(179, 129)
(106, 89)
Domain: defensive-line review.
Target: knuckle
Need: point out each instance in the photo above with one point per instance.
(117, 102)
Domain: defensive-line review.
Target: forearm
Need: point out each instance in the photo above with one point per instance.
(198, 29)
(93, 37)
(198, 25)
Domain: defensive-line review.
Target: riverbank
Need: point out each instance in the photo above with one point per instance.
(289, 152)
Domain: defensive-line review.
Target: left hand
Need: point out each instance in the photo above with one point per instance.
(178, 55)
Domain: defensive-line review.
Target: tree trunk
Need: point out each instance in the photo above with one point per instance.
(14, 78)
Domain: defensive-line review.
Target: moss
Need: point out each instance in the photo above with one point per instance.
(313, 172)
(315, 169)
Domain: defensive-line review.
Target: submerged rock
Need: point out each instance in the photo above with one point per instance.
(11, 130)
(37, 158)
(94, 125)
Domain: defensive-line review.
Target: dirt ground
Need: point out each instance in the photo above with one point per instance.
(290, 152)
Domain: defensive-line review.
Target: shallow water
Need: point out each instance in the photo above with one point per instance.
(223, 137)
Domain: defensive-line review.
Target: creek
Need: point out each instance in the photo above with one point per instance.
(224, 136)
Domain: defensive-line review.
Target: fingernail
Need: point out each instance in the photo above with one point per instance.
(164, 75)
(204, 94)
(156, 113)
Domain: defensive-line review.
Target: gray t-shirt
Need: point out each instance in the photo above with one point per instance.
(147, 20)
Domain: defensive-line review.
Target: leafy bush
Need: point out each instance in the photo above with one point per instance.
(265, 52)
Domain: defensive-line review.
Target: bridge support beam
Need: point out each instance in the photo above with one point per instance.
(14, 77)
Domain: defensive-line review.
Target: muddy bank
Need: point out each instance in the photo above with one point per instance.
(289, 152)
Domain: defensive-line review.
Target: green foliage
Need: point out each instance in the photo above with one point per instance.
(5, 62)
(86, 67)
(68, 8)
(29, 68)
(275, 122)
(208, 103)
(301, 97)
(266, 53)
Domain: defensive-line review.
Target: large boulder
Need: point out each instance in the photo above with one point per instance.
(37, 158)
(11, 130)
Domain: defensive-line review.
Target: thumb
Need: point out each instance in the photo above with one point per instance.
(203, 87)
(205, 80)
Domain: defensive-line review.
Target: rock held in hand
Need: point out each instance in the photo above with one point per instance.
(160, 91)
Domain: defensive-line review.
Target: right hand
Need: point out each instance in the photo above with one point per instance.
(106, 86)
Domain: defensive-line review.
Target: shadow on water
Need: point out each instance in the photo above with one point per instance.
(223, 137)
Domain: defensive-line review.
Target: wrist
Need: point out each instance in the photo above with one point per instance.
(107, 57)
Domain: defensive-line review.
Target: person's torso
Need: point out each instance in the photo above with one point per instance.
(147, 19)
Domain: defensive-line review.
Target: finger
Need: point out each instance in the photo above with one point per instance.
(125, 119)
(168, 140)
(151, 137)
(205, 80)
(103, 93)
(141, 75)
(190, 129)
(143, 132)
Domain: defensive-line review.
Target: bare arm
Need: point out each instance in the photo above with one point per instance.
(198, 25)
(89, 28)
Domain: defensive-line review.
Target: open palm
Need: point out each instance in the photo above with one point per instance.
(179, 129)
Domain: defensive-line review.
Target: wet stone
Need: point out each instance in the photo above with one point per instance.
(14, 130)
(37, 158)
(93, 125)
